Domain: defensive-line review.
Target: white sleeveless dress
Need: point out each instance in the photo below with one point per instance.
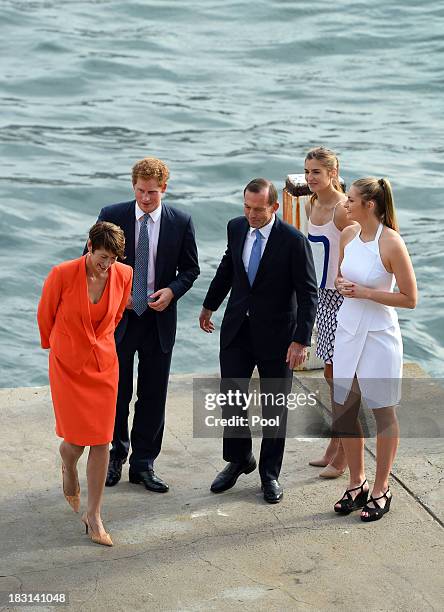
(368, 340)
(324, 242)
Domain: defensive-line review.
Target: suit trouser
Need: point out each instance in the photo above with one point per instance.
(237, 362)
(141, 336)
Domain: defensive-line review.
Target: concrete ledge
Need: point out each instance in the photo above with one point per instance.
(190, 550)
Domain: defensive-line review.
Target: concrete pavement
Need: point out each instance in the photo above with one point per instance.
(190, 550)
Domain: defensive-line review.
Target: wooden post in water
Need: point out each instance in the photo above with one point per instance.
(287, 207)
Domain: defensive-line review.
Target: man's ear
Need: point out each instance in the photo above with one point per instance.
(163, 188)
(275, 206)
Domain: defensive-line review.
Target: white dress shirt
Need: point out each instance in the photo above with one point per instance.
(251, 237)
(153, 227)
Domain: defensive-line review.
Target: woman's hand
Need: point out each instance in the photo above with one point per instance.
(359, 291)
(352, 290)
(338, 283)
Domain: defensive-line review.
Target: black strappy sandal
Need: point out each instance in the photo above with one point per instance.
(348, 504)
(376, 513)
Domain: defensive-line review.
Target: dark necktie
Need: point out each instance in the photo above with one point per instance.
(140, 283)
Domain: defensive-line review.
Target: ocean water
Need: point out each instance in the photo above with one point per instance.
(223, 92)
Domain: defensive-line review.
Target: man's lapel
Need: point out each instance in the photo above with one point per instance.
(128, 225)
(166, 235)
(239, 249)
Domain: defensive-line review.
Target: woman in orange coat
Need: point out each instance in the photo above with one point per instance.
(81, 304)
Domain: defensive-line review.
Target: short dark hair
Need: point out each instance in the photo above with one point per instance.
(105, 235)
(259, 184)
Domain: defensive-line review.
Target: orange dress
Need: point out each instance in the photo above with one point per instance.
(83, 365)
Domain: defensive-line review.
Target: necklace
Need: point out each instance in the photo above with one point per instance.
(330, 205)
(90, 275)
(101, 277)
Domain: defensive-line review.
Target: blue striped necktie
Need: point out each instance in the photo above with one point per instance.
(140, 283)
(255, 257)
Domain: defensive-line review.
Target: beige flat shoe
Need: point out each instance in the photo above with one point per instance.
(331, 472)
(318, 462)
(73, 500)
(104, 539)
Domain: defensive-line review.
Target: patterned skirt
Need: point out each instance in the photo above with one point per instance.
(329, 301)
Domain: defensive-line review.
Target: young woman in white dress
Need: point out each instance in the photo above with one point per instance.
(326, 219)
(367, 362)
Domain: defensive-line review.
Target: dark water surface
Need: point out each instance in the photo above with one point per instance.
(222, 92)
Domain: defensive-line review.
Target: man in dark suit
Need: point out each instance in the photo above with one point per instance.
(268, 267)
(161, 247)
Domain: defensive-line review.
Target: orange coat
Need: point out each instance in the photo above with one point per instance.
(83, 365)
(64, 319)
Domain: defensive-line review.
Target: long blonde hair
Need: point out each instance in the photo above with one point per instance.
(329, 160)
(380, 191)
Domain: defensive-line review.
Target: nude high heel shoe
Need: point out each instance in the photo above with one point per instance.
(73, 500)
(322, 462)
(330, 471)
(104, 539)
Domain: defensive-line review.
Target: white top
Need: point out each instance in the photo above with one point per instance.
(362, 264)
(251, 237)
(153, 226)
(324, 241)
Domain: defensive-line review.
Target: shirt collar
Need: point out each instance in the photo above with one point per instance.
(265, 231)
(155, 215)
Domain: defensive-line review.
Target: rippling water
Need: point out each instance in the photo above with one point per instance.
(223, 92)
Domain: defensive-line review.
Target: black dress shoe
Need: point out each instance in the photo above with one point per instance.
(229, 475)
(114, 472)
(273, 492)
(149, 479)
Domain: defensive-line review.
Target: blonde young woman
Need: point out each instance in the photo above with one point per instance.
(326, 219)
(367, 363)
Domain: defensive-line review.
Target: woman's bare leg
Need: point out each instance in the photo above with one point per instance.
(70, 454)
(346, 422)
(334, 453)
(96, 471)
(387, 440)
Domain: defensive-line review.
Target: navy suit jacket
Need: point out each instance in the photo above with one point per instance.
(177, 265)
(282, 301)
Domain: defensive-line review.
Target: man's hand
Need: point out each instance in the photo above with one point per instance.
(296, 355)
(163, 298)
(205, 320)
(129, 303)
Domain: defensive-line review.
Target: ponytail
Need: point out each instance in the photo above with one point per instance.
(335, 181)
(380, 191)
(389, 214)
